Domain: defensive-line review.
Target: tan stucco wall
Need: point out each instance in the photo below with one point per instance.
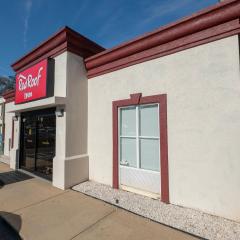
(203, 90)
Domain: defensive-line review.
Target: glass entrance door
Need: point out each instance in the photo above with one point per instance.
(28, 143)
(45, 151)
(38, 132)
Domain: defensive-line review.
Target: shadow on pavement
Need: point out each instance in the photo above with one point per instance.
(12, 177)
(1, 183)
(7, 232)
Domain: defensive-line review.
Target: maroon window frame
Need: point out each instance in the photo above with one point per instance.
(137, 99)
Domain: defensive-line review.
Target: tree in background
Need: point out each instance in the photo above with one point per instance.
(6, 83)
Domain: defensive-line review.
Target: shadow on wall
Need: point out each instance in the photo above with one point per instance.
(7, 232)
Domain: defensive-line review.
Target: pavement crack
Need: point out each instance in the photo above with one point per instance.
(37, 203)
(95, 223)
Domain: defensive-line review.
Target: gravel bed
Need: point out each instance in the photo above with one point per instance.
(4, 159)
(185, 219)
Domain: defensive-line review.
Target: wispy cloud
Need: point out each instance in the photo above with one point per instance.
(28, 7)
(164, 9)
(110, 23)
(80, 11)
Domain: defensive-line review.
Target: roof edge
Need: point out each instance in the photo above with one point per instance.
(9, 95)
(211, 17)
(63, 40)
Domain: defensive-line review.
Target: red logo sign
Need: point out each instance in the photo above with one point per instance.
(31, 84)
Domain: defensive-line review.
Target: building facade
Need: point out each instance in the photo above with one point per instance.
(158, 115)
(1, 125)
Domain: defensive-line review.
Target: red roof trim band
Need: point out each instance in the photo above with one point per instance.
(64, 40)
(211, 24)
(206, 26)
(9, 96)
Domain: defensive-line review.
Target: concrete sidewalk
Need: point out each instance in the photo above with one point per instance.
(39, 211)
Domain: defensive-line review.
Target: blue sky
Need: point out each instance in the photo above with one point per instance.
(26, 23)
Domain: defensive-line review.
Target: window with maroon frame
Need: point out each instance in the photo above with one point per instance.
(140, 150)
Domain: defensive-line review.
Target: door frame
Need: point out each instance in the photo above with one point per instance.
(37, 113)
(137, 99)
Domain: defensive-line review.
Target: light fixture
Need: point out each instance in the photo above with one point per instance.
(59, 112)
(15, 118)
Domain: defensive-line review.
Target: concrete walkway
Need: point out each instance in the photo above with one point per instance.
(37, 210)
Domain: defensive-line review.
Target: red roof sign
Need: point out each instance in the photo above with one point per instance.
(31, 84)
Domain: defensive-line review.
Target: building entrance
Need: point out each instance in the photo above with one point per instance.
(38, 135)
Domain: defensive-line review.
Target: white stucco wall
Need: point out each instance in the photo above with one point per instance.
(8, 130)
(70, 164)
(1, 110)
(1, 124)
(60, 81)
(203, 96)
(76, 161)
(76, 106)
(71, 160)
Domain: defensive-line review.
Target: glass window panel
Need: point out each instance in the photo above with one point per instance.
(128, 121)
(149, 154)
(148, 119)
(128, 152)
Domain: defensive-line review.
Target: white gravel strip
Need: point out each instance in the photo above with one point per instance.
(185, 219)
(4, 159)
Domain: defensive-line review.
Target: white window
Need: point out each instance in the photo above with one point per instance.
(139, 137)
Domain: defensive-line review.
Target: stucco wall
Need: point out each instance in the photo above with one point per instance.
(1, 125)
(60, 75)
(203, 91)
(1, 110)
(8, 130)
(60, 79)
(76, 161)
(76, 106)
(70, 165)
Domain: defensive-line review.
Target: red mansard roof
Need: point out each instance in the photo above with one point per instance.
(64, 40)
(9, 95)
